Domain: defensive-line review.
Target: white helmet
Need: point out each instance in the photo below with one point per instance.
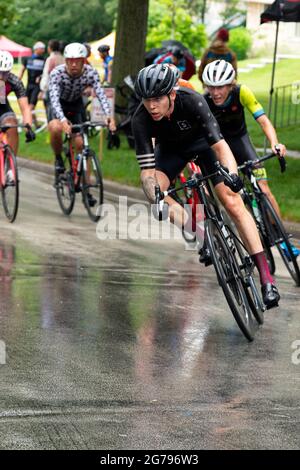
(218, 73)
(75, 50)
(6, 61)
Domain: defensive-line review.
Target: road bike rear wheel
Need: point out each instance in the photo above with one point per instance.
(280, 238)
(65, 189)
(230, 278)
(92, 188)
(10, 189)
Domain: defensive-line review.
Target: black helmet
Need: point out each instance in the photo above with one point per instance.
(103, 48)
(154, 81)
(177, 52)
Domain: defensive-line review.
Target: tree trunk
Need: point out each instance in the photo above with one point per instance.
(131, 34)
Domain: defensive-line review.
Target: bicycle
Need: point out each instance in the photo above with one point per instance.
(9, 180)
(82, 173)
(233, 265)
(269, 224)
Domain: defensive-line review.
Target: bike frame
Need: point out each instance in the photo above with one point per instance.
(3, 145)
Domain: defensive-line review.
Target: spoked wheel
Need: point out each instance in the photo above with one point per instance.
(247, 268)
(65, 189)
(280, 239)
(230, 279)
(10, 188)
(264, 239)
(92, 188)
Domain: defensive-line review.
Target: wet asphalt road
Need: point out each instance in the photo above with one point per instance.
(129, 344)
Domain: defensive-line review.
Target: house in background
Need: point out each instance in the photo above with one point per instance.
(263, 35)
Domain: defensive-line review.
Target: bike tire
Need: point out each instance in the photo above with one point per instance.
(279, 235)
(253, 297)
(93, 186)
(247, 267)
(65, 189)
(10, 190)
(230, 279)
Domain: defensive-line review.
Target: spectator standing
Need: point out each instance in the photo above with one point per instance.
(55, 58)
(218, 50)
(107, 62)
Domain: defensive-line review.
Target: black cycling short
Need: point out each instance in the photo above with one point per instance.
(74, 111)
(6, 112)
(172, 160)
(242, 148)
(32, 93)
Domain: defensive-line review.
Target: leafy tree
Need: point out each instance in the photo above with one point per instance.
(170, 19)
(83, 20)
(8, 13)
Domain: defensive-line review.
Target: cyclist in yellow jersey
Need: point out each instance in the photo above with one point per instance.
(227, 101)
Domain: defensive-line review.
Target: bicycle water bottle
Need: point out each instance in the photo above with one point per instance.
(255, 209)
(78, 160)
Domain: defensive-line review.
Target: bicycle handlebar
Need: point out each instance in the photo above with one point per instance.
(7, 127)
(192, 182)
(252, 163)
(86, 124)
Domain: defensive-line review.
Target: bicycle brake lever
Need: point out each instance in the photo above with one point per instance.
(282, 163)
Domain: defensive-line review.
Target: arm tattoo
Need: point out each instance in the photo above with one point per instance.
(149, 184)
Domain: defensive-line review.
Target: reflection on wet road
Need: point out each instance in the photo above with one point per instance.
(129, 345)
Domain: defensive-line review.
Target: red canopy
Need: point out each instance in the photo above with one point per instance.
(15, 49)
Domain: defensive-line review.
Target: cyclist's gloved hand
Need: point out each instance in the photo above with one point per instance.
(235, 184)
(29, 134)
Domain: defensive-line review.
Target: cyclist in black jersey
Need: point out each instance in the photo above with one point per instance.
(183, 128)
(10, 83)
(227, 101)
(66, 84)
(34, 66)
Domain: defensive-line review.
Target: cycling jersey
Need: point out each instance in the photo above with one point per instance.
(190, 122)
(64, 87)
(231, 115)
(14, 84)
(11, 84)
(106, 61)
(34, 66)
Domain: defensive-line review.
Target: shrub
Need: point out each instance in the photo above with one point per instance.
(240, 42)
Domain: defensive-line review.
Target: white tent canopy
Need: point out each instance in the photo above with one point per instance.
(109, 40)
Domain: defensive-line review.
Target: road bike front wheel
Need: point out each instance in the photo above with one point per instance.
(92, 187)
(10, 188)
(230, 278)
(280, 238)
(65, 189)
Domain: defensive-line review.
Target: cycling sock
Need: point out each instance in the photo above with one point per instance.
(261, 263)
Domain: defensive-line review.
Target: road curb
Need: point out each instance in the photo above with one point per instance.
(112, 189)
